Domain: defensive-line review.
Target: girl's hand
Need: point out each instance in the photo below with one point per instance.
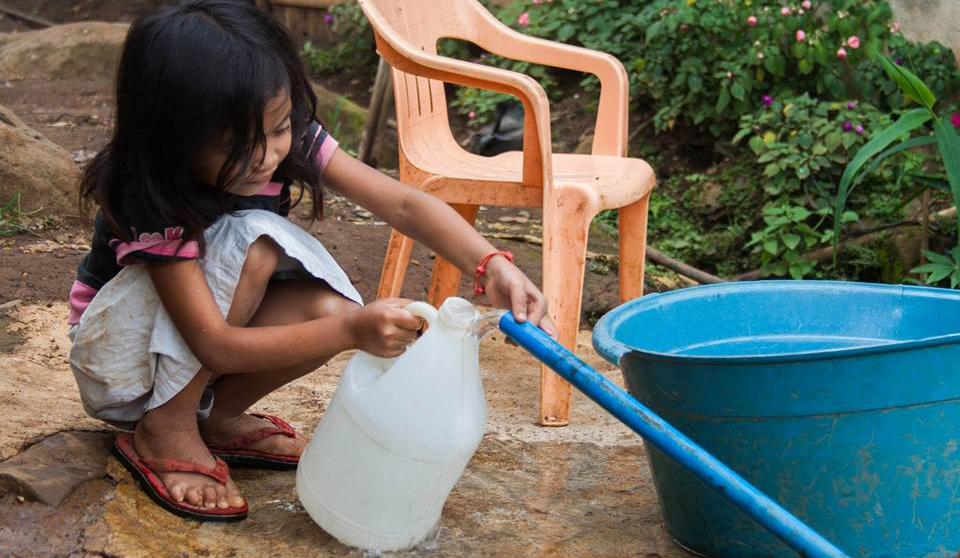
(383, 328)
(507, 287)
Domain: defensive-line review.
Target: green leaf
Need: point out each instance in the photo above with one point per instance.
(938, 273)
(771, 170)
(768, 156)
(937, 258)
(912, 87)
(927, 268)
(819, 149)
(833, 140)
(805, 66)
(694, 83)
(797, 271)
(568, 30)
(849, 217)
(803, 172)
(775, 65)
(757, 145)
(770, 245)
(800, 50)
(722, 103)
(737, 91)
(790, 240)
(654, 30)
(949, 144)
(907, 123)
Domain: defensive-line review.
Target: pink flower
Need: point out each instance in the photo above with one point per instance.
(759, 56)
(328, 19)
(842, 53)
(472, 114)
(801, 35)
(895, 28)
(859, 130)
(767, 100)
(853, 42)
(524, 19)
(955, 119)
(537, 1)
(852, 105)
(807, 4)
(752, 21)
(785, 10)
(847, 126)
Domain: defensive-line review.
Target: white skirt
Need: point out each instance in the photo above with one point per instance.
(127, 354)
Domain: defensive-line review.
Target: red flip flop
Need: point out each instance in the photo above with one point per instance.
(236, 453)
(146, 471)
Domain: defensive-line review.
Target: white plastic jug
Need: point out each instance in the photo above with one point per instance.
(397, 435)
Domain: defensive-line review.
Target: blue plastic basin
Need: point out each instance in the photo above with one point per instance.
(839, 400)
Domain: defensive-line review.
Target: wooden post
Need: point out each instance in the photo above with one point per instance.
(380, 86)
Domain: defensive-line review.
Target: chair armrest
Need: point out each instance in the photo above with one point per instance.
(610, 134)
(537, 149)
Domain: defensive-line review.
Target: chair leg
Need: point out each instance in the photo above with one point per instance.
(394, 265)
(446, 276)
(633, 248)
(565, 228)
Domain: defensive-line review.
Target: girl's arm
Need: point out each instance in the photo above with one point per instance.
(435, 224)
(382, 328)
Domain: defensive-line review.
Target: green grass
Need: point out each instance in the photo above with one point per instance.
(12, 217)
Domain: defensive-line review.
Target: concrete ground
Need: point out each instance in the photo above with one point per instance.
(580, 491)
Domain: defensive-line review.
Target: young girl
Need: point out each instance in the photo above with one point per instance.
(198, 297)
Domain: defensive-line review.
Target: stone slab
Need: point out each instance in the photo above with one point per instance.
(48, 472)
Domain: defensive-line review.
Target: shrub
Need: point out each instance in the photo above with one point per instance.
(804, 144)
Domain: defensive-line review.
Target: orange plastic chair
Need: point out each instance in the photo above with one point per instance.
(570, 188)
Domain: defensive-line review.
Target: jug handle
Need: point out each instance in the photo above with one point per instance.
(424, 310)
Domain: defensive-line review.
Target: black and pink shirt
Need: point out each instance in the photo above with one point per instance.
(153, 240)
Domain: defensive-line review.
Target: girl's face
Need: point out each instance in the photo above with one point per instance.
(276, 126)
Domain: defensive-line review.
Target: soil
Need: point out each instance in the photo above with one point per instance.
(60, 11)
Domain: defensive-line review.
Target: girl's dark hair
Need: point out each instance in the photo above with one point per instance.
(189, 73)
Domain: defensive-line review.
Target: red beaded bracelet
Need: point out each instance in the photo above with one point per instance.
(482, 269)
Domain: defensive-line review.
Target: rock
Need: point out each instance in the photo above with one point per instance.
(9, 118)
(37, 401)
(44, 174)
(87, 49)
(47, 472)
(345, 120)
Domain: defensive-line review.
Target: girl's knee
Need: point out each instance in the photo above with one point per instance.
(329, 303)
(263, 256)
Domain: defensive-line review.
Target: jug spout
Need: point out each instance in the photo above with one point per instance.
(460, 314)
(485, 323)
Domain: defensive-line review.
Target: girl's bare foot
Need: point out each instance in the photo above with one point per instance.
(218, 430)
(158, 437)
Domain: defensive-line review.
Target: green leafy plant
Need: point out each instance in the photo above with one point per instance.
(786, 237)
(803, 143)
(354, 48)
(706, 63)
(912, 122)
(479, 105)
(941, 266)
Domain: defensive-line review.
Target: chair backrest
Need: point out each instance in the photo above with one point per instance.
(421, 101)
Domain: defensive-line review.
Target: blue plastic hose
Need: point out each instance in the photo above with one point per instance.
(793, 532)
